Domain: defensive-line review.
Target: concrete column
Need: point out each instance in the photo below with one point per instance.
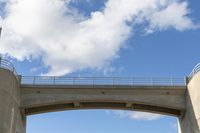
(190, 122)
(12, 119)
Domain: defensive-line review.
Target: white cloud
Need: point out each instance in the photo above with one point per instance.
(145, 116)
(68, 41)
(138, 115)
(175, 15)
(35, 69)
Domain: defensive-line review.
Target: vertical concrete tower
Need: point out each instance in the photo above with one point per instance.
(12, 119)
(190, 122)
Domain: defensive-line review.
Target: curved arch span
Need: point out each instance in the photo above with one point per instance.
(103, 105)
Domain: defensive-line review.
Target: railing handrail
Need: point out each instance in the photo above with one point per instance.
(130, 81)
(7, 65)
(195, 70)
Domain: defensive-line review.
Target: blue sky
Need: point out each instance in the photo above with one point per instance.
(97, 38)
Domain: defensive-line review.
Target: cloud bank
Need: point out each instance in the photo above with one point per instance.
(67, 41)
(135, 115)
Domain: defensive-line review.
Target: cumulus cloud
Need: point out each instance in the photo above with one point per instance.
(137, 115)
(176, 17)
(68, 41)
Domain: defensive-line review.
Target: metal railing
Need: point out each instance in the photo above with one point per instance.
(95, 81)
(195, 70)
(7, 65)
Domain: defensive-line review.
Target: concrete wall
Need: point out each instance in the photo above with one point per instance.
(190, 122)
(11, 118)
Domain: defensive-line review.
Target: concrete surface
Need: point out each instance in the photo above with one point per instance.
(190, 122)
(12, 119)
(163, 100)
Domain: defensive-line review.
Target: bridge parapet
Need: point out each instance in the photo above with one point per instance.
(195, 70)
(107, 81)
(5, 64)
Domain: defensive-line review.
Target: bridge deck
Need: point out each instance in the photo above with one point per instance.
(169, 100)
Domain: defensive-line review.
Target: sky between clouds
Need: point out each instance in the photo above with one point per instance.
(66, 40)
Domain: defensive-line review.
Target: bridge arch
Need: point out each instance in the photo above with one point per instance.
(102, 105)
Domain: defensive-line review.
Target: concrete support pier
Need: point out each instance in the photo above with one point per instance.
(190, 122)
(12, 119)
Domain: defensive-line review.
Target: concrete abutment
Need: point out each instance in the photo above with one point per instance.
(12, 119)
(190, 122)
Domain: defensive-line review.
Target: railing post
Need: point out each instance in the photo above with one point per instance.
(19, 78)
(152, 81)
(93, 82)
(0, 61)
(171, 81)
(186, 80)
(113, 83)
(73, 81)
(34, 80)
(132, 81)
(54, 78)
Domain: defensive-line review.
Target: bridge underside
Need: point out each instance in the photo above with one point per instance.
(163, 100)
(103, 105)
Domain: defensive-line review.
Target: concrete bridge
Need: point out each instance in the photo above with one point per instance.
(22, 95)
